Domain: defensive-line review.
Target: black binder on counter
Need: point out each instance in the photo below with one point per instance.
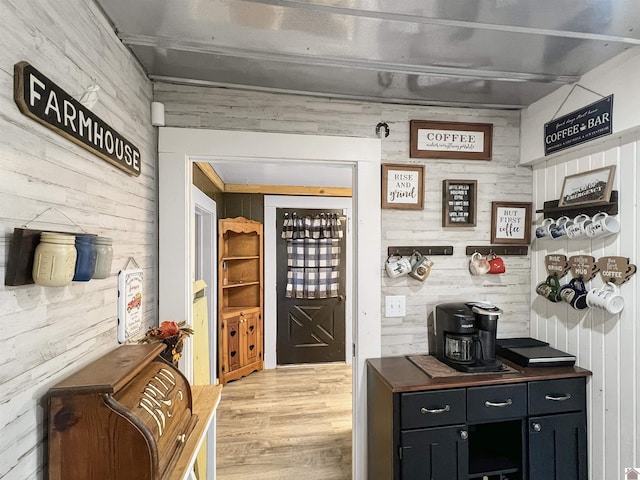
(529, 352)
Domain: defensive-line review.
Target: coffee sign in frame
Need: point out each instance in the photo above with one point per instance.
(511, 223)
(403, 187)
(586, 188)
(450, 140)
(459, 203)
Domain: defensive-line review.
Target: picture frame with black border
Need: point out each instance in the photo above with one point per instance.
(459, 203)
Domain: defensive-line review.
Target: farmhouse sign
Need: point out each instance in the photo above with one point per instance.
(42, 100)
(580, 126)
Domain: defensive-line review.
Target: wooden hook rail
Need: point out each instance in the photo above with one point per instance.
(424, 250)
(499, 249)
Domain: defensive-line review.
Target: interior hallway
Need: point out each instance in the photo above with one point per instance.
(291, 422)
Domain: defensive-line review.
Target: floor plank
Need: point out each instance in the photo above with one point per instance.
(287, 423)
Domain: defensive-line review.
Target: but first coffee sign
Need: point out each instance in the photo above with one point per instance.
(45, 102)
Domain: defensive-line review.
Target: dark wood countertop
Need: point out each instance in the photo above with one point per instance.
(402, 375)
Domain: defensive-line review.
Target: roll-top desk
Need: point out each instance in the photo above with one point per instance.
(127, 415)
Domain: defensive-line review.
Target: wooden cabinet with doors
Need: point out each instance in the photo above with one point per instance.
(240, 298)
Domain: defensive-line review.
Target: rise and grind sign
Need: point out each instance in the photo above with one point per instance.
(42, 100)
(580, 126)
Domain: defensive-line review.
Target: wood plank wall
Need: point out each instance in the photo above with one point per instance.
(500, 179)
(46, 333)
(608, 345)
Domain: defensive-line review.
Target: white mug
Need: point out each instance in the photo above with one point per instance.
(544, 230)
(479, 265)
(560, 228)
(397, 268)
(606, 297)
(602, 224)
(577, 227)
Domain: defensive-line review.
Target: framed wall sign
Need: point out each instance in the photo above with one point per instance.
(459, 203)
(453, 140)
(402, 187)
(586, 188)
(511, 223)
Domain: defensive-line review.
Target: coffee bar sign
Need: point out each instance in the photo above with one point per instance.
(42, 100)
(580, 126)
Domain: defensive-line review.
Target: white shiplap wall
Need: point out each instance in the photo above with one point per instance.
(46, 333)
(500, 179)
(605, 344)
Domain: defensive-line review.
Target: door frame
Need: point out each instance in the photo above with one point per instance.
(271, 203)
(179, 147)
(205, 212)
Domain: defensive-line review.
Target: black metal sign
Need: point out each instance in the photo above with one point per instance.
(580, 126)
(42, 100)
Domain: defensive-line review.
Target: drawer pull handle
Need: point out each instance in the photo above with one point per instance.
(560, 398)
(446, 408)
(498, 404)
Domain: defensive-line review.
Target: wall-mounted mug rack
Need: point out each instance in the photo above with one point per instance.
(500, 250)
(423, 250)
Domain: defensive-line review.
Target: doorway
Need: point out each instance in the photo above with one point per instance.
(179, 147)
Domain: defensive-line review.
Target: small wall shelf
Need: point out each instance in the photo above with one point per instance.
(551, 208)
(424, 250)
(498, 249)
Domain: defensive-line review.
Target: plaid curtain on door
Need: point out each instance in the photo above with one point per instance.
(313, 255)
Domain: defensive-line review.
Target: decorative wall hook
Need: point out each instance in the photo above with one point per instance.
(380, 126)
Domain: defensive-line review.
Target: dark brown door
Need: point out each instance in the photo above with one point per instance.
(309, 330)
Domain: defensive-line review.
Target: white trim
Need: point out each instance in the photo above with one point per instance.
(176, 148)
(271, 202)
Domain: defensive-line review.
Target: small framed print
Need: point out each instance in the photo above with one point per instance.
(511, 223)
(450, 140)
(459, 203)
(403, 187)
(586, 188)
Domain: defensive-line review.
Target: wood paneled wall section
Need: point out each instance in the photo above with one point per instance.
(46, 333)
(500, 179)
(608, 345)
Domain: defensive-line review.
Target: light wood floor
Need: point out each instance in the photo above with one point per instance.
(288, 423)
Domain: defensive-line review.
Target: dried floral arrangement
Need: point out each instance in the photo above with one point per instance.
(171, 334)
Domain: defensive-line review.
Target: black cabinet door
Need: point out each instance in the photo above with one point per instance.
(558, 447)
(434, 454)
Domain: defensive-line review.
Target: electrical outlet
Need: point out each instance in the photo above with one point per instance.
(395, 305)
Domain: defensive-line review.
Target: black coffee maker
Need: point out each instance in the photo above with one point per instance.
(465, 336)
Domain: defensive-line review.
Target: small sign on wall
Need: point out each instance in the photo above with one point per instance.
(580, 126)
(450, 140)
(402, 187)
(459, 203)
(129, 303)
(511, 223)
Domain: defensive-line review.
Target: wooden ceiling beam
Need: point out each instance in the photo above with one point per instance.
(289, 190)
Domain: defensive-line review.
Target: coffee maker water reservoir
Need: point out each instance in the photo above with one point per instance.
(466, 336)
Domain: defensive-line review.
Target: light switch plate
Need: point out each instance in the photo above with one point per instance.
(395, 305)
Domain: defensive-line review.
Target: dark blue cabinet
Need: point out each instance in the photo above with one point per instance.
(434, 453)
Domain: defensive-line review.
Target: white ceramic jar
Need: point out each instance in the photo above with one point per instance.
(54, 260)
(104, 250)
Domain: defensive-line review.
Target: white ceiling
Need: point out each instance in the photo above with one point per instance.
(282, 174)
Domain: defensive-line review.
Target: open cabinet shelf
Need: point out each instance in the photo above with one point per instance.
(240, 298)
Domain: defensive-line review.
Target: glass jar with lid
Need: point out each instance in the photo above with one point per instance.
(54, 259)
(104, 252)
(86, 261)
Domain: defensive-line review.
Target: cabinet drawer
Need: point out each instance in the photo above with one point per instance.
(557, 396)
(429, 409)
(496, 402)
